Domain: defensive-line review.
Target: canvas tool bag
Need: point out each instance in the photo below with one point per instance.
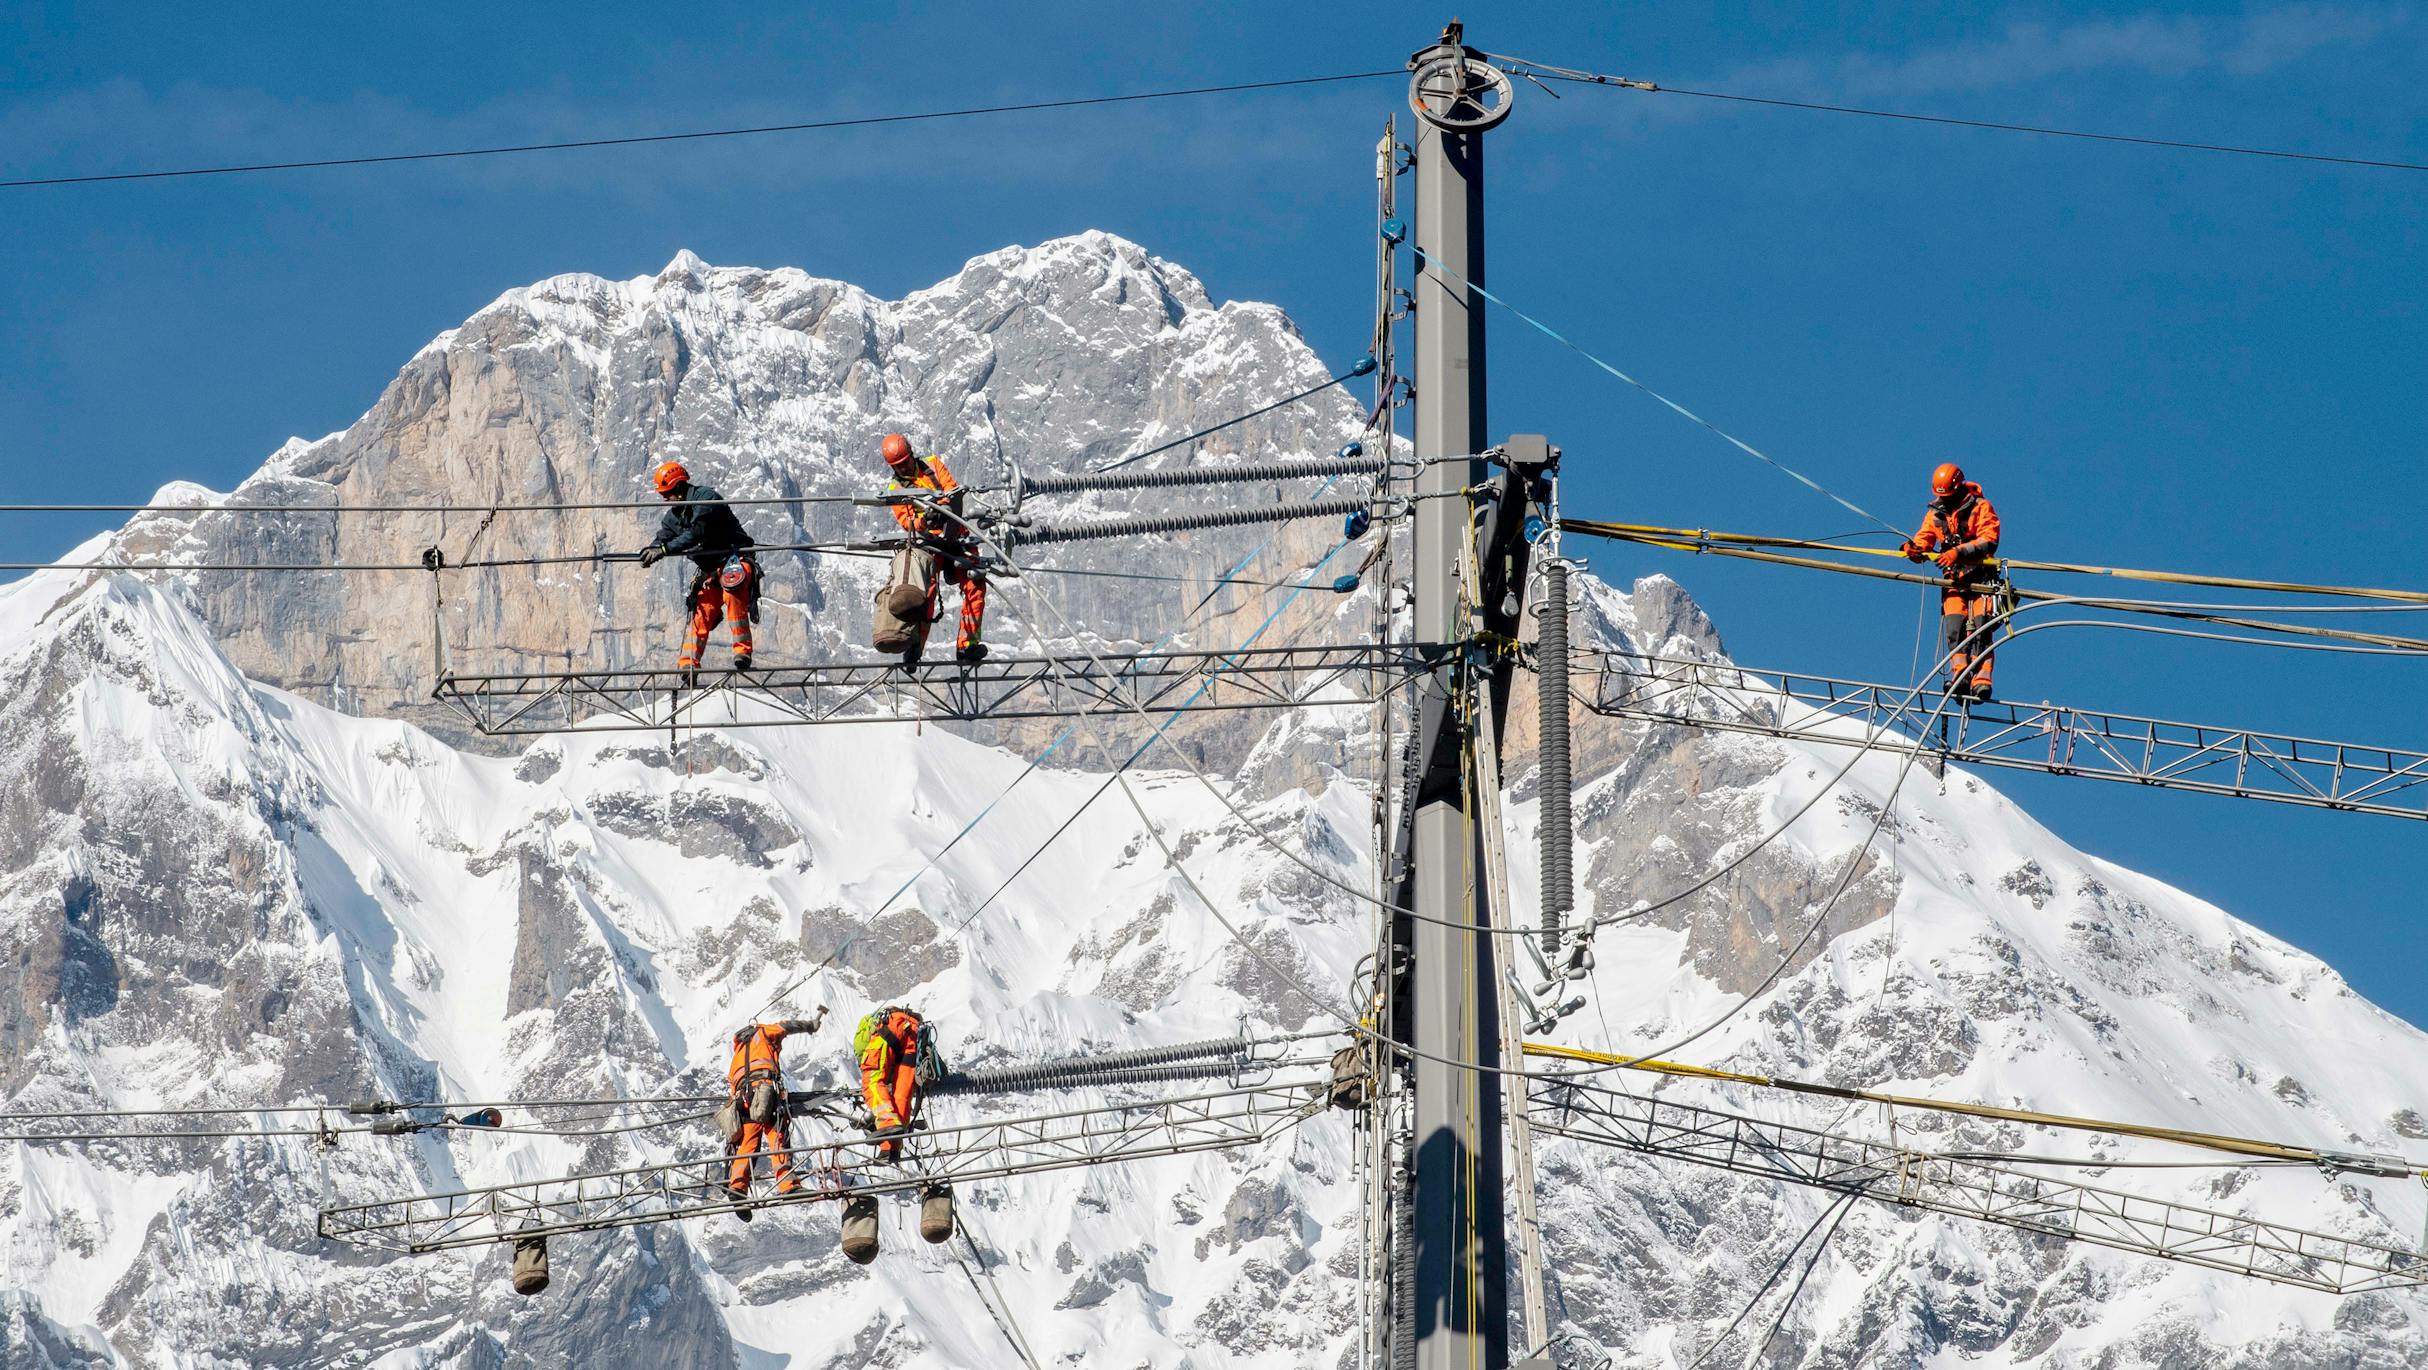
(901, 617)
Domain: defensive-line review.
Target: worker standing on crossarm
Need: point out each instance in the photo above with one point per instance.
(725, 580)
(942, 536)
(889, 1046)
(1960, 531)
(756, 1119)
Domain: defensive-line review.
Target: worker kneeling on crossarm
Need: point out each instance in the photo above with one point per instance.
(889, 1046)
(1960, 531)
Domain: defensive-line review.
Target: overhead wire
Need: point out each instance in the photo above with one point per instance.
(1836, 1205)
(1362, 368)
(2243, 1147)
(1546, 71)
(698, 135)
(1820, 1249)
(1036, 762)
(1426, 263)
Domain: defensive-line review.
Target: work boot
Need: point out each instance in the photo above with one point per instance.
(970, 653)
(740, 1196)
(1978, 692)
(741, 661)
(690, 676)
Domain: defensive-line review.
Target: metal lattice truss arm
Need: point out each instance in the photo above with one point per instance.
(831, 1158)
(884, 691)
(1971, 1189)
(2032, 737)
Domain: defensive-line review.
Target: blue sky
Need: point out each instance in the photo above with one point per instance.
(2149, 357)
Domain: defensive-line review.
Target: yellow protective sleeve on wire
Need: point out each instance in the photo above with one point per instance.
(2240, 1146)
(1742, 546)
(1700, 539)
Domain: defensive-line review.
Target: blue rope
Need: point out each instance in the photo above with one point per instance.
(1681, 410)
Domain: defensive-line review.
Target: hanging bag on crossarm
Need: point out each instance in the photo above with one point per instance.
(901, 616)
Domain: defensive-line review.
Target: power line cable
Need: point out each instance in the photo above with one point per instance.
(1426, 263)
(1548, 72)
(759, 130)
(1820, 1249)
(1364, 367)
(1836, 1205)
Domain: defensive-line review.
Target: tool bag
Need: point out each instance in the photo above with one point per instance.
(740, 574)
(729, 1123)
(530, 1274)
(766, 1103)
(902, 602)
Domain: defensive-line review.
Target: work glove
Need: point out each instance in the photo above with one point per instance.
(1949, 560)
(652, 555)
(1910, 551)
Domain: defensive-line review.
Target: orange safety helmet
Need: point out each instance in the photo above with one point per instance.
(1947, 480)
(669, 478)
(896, 449)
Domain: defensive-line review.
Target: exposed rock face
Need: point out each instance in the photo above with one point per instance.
(764, 384)
(214, 892)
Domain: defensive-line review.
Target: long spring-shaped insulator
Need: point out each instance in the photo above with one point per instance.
(1086, 1068)
(1089, 1079)
(1551, 679)
(1182, 523)
(1403, 1266)
(1295, 469)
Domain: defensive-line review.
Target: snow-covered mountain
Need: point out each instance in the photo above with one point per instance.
(216, 889)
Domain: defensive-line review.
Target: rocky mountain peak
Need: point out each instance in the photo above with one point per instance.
(216, 889)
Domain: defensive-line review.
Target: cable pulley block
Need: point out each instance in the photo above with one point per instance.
(1357, 525)
(1395, 231)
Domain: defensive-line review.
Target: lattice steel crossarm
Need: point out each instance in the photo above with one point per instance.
(2034, 737)
(883, 691)
(846, 1162)
(1970, 1189)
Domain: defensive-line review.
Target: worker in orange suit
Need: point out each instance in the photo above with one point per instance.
(699, 524)
(957, 552)
(756, 1079)
(1960, 532)
(887, 1045)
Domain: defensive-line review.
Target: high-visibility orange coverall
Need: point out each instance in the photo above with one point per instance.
(714, 602)
(758, 1057)
(961, 569)
(888, 1047)
(1961, 531)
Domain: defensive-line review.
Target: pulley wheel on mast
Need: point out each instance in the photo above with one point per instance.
(1458, 92)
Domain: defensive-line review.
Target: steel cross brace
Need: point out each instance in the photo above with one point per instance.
(1971, 1189)
(885, 691)
(2034, 737)
(845, 1162)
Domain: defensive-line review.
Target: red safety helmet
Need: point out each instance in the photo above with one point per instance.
(1947, 480)
(669, 478)
(896, 449)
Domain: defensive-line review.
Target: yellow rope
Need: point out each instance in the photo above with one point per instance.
(2240, 1146)
(1699, 539)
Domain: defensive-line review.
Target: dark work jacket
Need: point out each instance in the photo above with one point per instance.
(707, 532)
